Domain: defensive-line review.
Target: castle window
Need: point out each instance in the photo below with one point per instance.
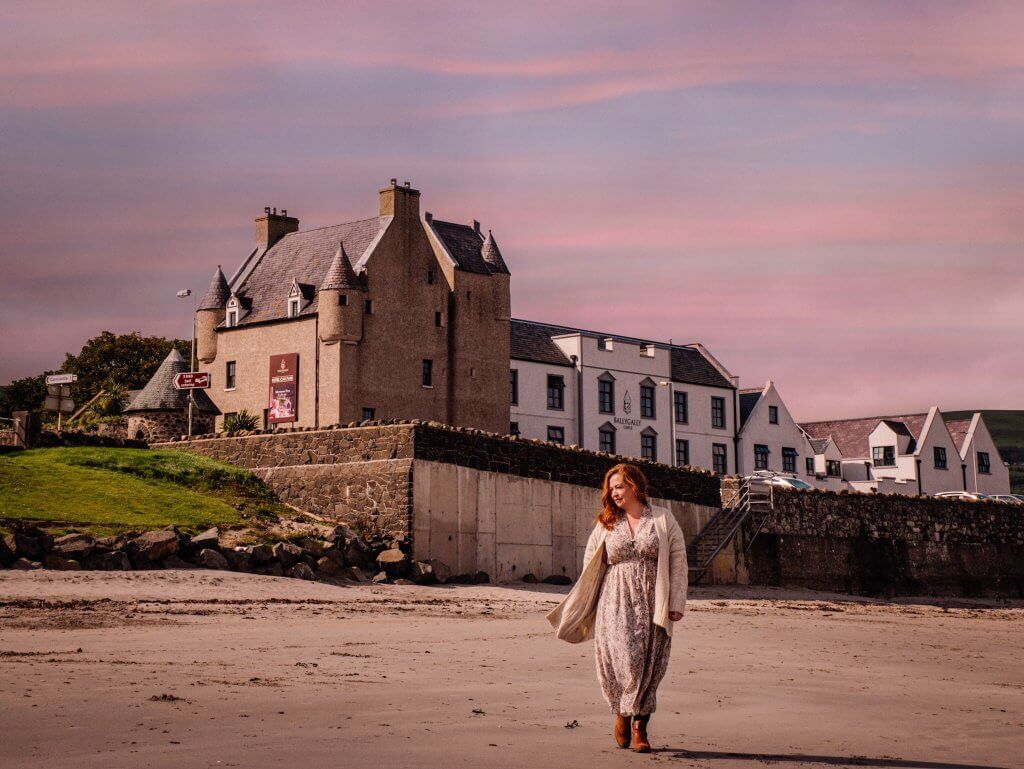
(469, 295)
(343, 300)
(773, 415)
(788, 460)
(368, 307)
(368, 413)
(428, 372)
(556, 434)
(232, 319)
(430, 277)
(293, 307)
(437, 319)
(761, 454)
(229, 375)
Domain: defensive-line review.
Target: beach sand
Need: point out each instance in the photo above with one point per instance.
(217, 669)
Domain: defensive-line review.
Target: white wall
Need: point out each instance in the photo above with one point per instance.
(532, 412)
(935, 433)
(759, 430)
(979, 439)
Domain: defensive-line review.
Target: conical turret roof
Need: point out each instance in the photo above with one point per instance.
(340, 275)
(217, 294)
(492, 255)
(159, 394)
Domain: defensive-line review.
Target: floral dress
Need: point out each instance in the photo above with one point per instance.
(632, 652)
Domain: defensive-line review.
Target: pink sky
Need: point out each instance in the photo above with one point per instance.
(827, 195)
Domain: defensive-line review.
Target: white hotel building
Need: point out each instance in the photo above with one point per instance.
(669, 403)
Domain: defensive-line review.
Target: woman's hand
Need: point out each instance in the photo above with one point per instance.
(675, 616)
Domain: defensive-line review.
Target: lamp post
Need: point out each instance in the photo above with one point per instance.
(185, 293)
(671, 418)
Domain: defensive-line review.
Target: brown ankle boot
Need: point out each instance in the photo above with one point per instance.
(640, 743)
(622, 731)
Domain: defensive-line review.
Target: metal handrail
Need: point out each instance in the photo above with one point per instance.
(739, 510)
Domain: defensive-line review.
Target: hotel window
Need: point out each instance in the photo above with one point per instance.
(607, 439)
(606, 394)
(229, 375)
(428, 372)
(514, 383)
(788, 460)
(368, 413)
(718, 412)
(984, 466)
(368, 307)
(761, 454)
(293, 307)
(809, 464)
(682, 452)
(556, 392)
(773, 415)
(513, 428)
(682, 407)
(719, 459)
(232, 319)
(883, 456)
(437, 319)
(940, 458)
(647, 401)
(833, 468)
(556, 434)
(649, 446)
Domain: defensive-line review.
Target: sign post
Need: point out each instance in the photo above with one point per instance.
(191, 380)
(58, 395)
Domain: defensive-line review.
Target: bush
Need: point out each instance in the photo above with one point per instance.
(240, 422)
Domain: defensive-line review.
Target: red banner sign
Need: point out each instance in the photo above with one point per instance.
(192, 380)
(283, 405)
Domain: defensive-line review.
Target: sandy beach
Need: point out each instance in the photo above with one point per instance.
(219, 669)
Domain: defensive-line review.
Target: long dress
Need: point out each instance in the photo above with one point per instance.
(632, 652)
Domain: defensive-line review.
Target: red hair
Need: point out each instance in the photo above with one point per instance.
(633, 477)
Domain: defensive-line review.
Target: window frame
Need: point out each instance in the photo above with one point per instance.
(809, 466)
(790, 454)
(648, 401)
(833, 463)
(602, 434)
(719, 451)
(230, 374)
(773, 415)
(762, 457)
(294, 306)
(556, 430)
(718, 421)
(558, 390)
(683, 397)
(369, 414)
(940, 457)
(684, 444)
(988, 462)
(428, 373)
(605, 400)
(514, 385)
(880, 455)
(649, 446)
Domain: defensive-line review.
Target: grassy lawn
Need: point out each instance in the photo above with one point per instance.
(112, 490)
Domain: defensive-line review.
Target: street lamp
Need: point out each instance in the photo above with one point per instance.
(671, 419)
(185, 293)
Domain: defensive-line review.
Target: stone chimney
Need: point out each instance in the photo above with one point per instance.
(273, 226)
(400, 202)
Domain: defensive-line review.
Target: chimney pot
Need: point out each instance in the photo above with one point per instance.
(428, 216)
(408, 185)
(394, 182)
(284, 212)
(275, 210)
(476, 226)
(266, 209)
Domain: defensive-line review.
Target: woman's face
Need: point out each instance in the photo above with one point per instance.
(622, 493)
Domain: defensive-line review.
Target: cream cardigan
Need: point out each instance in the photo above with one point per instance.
(573, 618)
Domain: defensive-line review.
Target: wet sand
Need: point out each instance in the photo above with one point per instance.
(212, 669)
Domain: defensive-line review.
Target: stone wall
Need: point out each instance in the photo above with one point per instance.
(153, 426)
(880, 544)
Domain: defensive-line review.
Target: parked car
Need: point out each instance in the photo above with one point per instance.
(774, 479)
(1010, 499)
(969, 496)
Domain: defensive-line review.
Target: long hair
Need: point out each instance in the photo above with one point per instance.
(633, 477)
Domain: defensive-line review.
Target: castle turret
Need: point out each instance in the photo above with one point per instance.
(339, 304)
(209, 315)
(500, 275)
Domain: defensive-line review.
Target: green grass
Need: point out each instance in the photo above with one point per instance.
(108, 490)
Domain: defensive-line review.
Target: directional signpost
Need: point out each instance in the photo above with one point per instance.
(58, 394)
(191, 380)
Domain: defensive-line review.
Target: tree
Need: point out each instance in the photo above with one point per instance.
(25, 394)
(127, 361)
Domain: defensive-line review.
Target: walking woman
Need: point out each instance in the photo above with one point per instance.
(630, 592)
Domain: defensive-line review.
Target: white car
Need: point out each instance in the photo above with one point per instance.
(772, 479)
(969, 496)
(1011, 499)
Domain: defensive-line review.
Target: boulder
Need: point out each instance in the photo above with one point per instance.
(24, 564)
(6, 552)
(342, 534)
(392, 561)
(380, 578)
(353, 573)
(261, 555)
(52, 561)
(209, 539)
(113, 561)
(403, 581)
(155, 546)
(312, 547)
(239, 560)
(110, 544)
(209, 558)
(358, 553)
(422, 573)
(31, 543)
(326, 567)
(301, 570)
(557, 579)
(287, 554)
(175, 561)
(460, 579)
(442, 572)
(530, 579)
(77, 546)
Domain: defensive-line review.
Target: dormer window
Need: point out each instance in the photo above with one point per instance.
(647, 350)
(293, 307)
(294, 299)
(232, 319)
(605, 343)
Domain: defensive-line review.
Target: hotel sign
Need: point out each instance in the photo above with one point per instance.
(283, 403)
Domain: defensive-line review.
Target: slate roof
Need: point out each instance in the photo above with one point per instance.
(532, 341)
(305, 256)
(341, 274)
(217, 294)
(851, 435)
(958, 431)
(492, 255)
(464, 243)
(818, 445)
(159, 393)
(748, 399)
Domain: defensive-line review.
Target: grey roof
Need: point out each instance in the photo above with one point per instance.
(340, 275)
(748, 399)
(492, 255)
(851, 435)
(463, 243)
(690, 365)
(159, 393)
(217, 294)
(818, 444)
(532, 341)
(305, 256)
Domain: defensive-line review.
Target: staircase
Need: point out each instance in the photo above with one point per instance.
(754, 501)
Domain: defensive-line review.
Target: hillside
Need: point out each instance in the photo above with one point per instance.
(109, 490)
(1007, 428)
